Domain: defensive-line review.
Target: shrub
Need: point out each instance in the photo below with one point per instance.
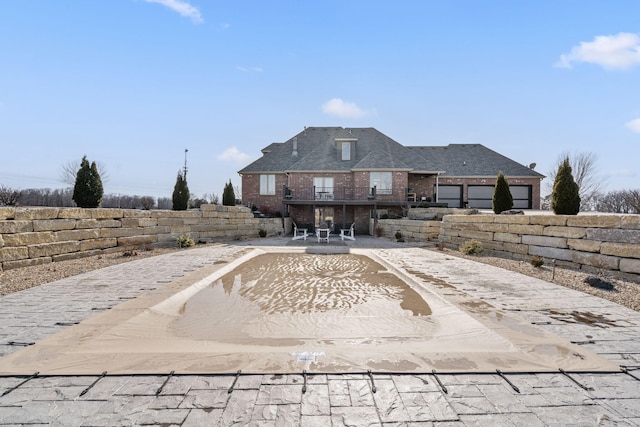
(196, 203)
(88, 190)
(599, 283)
(228, 195)
(129, 253)
(502, 198)
(379, 231)
(180, 194)
(384, 216)
(398, 235)
(185, 241)
(565, 198)
(471, 247)
(9, 196)
(262, 232)
(147, 202)
(537, 261)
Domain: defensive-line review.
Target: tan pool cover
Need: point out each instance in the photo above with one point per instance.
(285, 312)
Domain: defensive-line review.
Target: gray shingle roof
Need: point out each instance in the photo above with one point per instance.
(317, 151)
(473, 160)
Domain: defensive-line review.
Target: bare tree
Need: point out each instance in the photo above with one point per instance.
(9, 196)
(69, 172)
(147, 202)
(212, 198)
(584, 171)
(613, 201)
(633, 200)
(238, 194)
(164, 203)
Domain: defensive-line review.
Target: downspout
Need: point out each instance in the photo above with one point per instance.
(437, 189)
(285, 206)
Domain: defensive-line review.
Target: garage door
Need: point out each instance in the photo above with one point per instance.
(481, 196)
(521, 196)
(450, 194)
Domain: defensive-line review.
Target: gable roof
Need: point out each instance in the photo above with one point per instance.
(316, 150)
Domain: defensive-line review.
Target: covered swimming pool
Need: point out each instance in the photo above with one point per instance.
(282, 310)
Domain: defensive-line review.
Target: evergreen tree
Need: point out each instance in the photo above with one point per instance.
(88, 191)
(502, 198)
(180, 194)
(228, 195)
(565, 198)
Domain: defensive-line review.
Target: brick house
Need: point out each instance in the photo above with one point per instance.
(344, 175)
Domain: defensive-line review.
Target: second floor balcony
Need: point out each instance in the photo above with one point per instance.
(347, 195)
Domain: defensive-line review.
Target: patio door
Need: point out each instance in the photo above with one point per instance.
(323, 188)
(324, 216)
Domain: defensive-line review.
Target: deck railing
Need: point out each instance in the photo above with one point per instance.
(348, 194)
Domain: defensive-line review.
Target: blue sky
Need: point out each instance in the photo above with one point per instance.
(133, 83)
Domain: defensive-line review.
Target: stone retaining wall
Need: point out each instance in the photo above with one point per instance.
(31, 236)
(588, 242)
(422, 231)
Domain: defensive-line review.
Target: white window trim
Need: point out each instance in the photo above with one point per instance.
(346, 151)
(267, 185)
(376, 180)
(324, 187)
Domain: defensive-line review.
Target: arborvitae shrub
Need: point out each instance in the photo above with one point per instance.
(88, 190)
(180, 194)
(565, 198)
(502, 198)
(228, 195)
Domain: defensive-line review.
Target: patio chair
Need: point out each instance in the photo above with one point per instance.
(299, 233)
(323, 234)
(348, 233)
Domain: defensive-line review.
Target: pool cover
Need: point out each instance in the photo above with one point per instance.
(282, 312)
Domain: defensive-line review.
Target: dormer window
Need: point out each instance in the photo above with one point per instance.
(346, 151)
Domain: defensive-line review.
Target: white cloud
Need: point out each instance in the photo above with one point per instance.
(620, 51)
(249, 69)
(233, 155)
(634, 125)
(182, 7)
(340, 108)
(224, 27)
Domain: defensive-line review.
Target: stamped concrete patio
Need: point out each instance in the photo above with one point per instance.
(415, 398)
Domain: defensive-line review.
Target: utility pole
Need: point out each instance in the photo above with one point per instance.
(185, 164)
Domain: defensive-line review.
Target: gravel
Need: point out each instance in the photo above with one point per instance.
(624, 292)
(19, 279)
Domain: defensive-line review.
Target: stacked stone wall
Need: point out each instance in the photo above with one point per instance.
(589, 242)
(412, 231)
(31, 236)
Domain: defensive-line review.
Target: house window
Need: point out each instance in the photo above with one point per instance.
(268, 185)
(346, 151)
(382, 182)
